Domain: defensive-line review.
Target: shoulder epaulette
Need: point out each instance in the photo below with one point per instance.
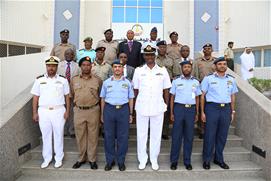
(81, 49)
(194, 78)
(62, 76)
(40, 76)
(176, 77)
(230, 75)
(210, 74)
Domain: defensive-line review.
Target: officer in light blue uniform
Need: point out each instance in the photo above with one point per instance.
(117, 109)
(218, 111)
(87, 51)
(184, 104)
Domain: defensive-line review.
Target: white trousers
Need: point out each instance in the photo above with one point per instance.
(156, 126)
(51, 124)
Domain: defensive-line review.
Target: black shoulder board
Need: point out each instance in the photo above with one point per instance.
(230, 75)
(210, 74)
(40, 76)
(176, 77)
(62, 76)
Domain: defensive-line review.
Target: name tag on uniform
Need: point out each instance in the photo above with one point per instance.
(159, 74)
(125, 86)
(213, 82)
(43, 83)
(229, 82)
(58, 82)
(143, 75)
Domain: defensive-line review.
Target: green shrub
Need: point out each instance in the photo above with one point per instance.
(260, 84)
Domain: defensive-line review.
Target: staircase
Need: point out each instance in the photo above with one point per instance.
(238, 158)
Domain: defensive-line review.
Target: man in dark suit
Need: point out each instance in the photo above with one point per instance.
(132, 49)
(128, 71)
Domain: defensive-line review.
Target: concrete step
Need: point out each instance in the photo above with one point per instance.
(244, 170)
(132, 130)
(232, 141)
(230, 154)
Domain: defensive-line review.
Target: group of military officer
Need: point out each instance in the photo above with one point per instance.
(162, 89)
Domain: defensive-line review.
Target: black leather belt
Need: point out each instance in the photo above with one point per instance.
(87, 107)
(187, 105)
(219, 104)
(117, 106)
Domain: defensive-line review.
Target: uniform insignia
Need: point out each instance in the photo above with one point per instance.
(194, 78)
(230, 75)
(210, 74)
(176, 77)
(159, 73)
(40, 76)
(229, 82)
(125, 86)
(43, 83)
(62, 76)
(58, 82)
(213, 82)
(109, 86)
(179, 85)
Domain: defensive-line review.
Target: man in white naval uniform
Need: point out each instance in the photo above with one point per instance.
(50, 94)
(151, 84)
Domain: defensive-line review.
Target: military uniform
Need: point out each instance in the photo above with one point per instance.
(85, 53)
(116, 94)
(228, 53)
(150, 108)
(51, 93)
(101, 70)
(218, 114)
(185, 91)
(174, 51)
(203, 67)
(172, 66)
(111, 50)
(86, 115)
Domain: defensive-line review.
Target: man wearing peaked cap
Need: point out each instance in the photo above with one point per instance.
(207, 45)
(87, 51)
(60, 48)
(173, 69)
(100, 49)
(50, 95)
(173, 49)
(112, 46)
(151, 84)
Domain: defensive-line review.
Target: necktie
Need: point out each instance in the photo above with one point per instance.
(130, 44)
(68, 71)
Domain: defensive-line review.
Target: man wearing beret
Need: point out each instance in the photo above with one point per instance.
(117, 112)
(201, 68)
(85, 90)
(88, 51)
(100, 67)
(173, 49)
(173, 69)
(184, 106)
(111, 46)
(50, 95)
(60, 48)
(217, 110)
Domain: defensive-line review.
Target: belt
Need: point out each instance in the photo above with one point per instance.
(187, 105)
(219, 104)
(52, 107)
(87, 107)
(117, 106)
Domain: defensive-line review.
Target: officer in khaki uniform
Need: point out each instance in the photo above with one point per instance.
(173, 49)
(85, 89)
(60, 48)
(112, 46)
(202, 67)
(100, 67)
(173, 69)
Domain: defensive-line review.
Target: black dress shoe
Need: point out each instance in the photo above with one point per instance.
(122, 167)
(109, 166)
(173, 166)
(222, 165)
(78, 165)
(165, 137)
(72, 135)
(188, 167)
(206, 165)
(93, 165)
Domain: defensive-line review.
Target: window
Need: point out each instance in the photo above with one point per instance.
(267, 58)
(257, 54)
(137, 11)
(3, 50)
(16, 50)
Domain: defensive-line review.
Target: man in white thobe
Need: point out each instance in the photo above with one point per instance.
(247, 64)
